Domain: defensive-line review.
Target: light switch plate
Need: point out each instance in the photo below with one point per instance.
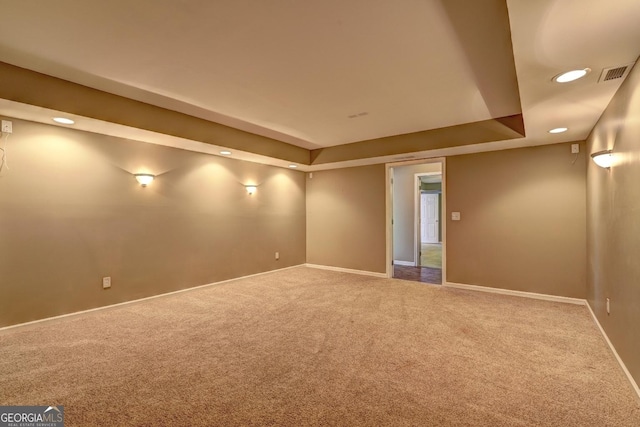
(575, 148)
(455, 216)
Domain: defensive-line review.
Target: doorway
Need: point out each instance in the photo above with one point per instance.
(415, 229)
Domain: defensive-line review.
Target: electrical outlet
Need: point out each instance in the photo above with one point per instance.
(7, 126)
(277, 255)
(608, 306)
(106, 282)
(575, 148)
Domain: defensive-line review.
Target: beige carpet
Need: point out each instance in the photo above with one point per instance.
(312, 347)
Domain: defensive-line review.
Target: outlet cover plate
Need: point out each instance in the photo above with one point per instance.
(7, 126)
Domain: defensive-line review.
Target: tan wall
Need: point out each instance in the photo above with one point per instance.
(523, 220)
(404, 191)
(614, 224)
(346, 218)
(71, 212)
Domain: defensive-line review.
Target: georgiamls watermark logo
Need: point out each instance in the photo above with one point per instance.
(31, 416)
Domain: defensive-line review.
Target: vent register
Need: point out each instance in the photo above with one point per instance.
(614, 73)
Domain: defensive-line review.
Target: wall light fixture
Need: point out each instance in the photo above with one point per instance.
(144, 178)
(604, 158)
(251, 189)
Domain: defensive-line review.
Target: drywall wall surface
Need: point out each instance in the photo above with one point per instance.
(72, 213)
(613, 230)
(522, 221)
(404, 208)
(346, 218)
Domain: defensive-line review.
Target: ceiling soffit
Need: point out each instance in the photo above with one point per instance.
(479, 30)
(505, 128)
(287, 71)
(32, 88)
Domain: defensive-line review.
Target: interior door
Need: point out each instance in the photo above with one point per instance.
(429, 218)
(423, 217)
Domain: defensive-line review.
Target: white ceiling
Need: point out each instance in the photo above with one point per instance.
(552, 36)
(296, 71)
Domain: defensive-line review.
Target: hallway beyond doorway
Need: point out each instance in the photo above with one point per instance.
(431, 255)
(418, 274)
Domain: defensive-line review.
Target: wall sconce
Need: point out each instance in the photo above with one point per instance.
(604, 158)
(251, 189)
(144, 178)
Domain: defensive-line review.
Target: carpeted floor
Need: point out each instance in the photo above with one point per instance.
(313, 347)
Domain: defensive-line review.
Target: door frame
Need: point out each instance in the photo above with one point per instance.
(389, 210)
(417, 239)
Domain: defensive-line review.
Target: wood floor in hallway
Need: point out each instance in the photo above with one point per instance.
(418, 274)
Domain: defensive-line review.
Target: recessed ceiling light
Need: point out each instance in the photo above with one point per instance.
(63, 120)
(572, 75)
(558, 130)
(293, 166)
(225, 152)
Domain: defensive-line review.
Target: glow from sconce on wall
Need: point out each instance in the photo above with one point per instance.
(63, 120)
(293, 166)
(144, 178)
(225, 152)
(604, 158)
(251, 189)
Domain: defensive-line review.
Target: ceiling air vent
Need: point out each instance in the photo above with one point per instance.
(614, 73)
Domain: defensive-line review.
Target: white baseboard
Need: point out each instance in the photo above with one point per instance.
(104, 307)
(407, 263)
(348, 270)
(533, 295)
(615, 353)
